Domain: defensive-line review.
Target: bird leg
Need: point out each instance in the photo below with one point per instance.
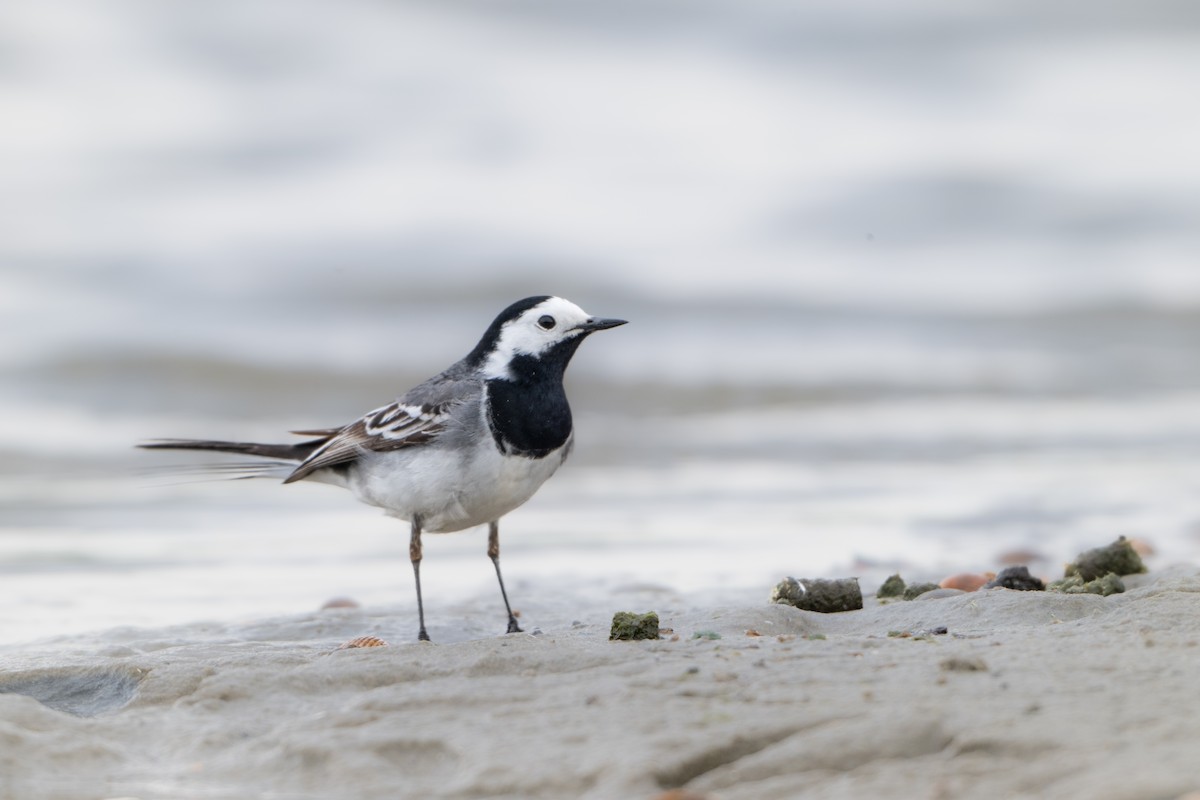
(414, 555)
(494, 555)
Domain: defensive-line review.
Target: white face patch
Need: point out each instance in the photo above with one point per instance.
(549, 322)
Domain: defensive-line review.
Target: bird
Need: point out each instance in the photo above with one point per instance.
(460, 450)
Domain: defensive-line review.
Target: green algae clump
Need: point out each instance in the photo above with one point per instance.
(628, 626)
(1109, 584)
(892, 587)
(1119, 558)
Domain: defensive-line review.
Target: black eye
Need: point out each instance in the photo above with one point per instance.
(546, 321)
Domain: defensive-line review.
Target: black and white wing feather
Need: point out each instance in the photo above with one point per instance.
(392, 427)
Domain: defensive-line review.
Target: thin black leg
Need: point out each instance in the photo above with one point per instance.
(414, 555)
(494, 555)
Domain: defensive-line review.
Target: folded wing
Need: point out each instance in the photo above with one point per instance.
(392, 427)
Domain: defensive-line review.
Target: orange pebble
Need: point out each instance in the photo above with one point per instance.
(1142, 547)
(1019, 557)
(967, 581)
(340, 602)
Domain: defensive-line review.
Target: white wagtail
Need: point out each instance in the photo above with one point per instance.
(465, 447)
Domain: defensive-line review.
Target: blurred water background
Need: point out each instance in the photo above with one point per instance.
(911, 284)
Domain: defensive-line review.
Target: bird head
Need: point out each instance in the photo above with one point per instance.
(539, 328)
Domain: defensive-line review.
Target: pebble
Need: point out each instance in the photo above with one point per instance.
(967, 581)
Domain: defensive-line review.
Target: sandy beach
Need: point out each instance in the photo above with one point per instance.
(911, 287)
(1025, 694)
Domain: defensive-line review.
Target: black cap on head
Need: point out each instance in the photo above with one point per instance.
(492, 334)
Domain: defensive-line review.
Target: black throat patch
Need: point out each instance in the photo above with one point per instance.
(528, 414)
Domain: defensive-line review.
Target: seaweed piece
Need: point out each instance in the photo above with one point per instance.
(1016, 578)
(915, 590)
(892, 587)
(627, 626)
(1109, 584)
(818, 594)
(1119, 558)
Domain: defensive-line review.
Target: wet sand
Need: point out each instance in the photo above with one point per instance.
(1025, 694)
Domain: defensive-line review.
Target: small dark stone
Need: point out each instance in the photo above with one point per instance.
(818, 594)
(915, 590)
(1118, 558)
(627, 626)
(1018, 579)
(892, 587)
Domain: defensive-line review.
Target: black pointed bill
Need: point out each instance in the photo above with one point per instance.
(596, 324)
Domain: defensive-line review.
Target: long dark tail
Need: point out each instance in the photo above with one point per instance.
(289, 452)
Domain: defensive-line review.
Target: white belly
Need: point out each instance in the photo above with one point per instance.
(450, 492)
